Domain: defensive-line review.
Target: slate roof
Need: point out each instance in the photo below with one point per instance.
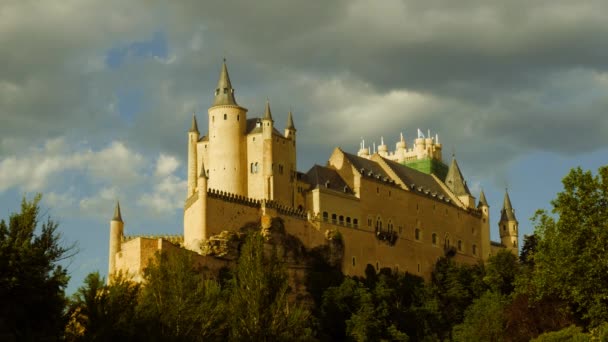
(482, 200)
(252, 128)
(224, 91)
(507, 213)
(455, 181)
(370, 168)
(416, 180)
(324, 177)
(117, 215)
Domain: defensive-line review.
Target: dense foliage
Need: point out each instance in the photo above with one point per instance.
(557, 290)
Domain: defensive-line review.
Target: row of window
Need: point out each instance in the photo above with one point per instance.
(238, 117)
(341, 220)
(255, 168)
(396, 268)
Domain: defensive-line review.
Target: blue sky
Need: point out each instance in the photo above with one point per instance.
(96, 97)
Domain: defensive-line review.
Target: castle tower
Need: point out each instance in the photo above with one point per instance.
(267, 150)
(290, 133)
(195, 234)
(227, 151)
(363, 151)
(401, 149)
(456, 183)
(508, 226)
(116, 234)
(485, 226)
(193, 136)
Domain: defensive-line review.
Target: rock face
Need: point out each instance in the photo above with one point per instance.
(224, 245)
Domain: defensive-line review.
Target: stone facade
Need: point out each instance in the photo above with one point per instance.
(389, 214)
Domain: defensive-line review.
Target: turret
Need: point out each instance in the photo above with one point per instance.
(363, 151)
(196, 232)
(227, 123)
(193, 136)
(116, 234)
(485, 226)
(508, 226)
(382, 148)
(401, 149)
(267, 153)
(290, 130)
(456, 183)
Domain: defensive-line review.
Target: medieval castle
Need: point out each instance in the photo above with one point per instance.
(398, 209)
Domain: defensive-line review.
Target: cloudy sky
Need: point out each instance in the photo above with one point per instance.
(96, 96)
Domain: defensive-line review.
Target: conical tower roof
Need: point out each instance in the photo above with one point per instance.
(455, 181)
(290, 124)
(224, 93)
(507, 213)
(267, 113)
(194, 126)
(482, 200)
(117, 215)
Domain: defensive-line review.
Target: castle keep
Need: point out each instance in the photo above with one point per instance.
(399, 209)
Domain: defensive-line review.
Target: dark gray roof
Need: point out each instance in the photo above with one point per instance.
(290, 124)
(204, 138)
(367, 167)
(252, 127)
(507, 213)
(482, 200)
(224, 93)
(416, 180)
(324, 177)
(267, 113)
(194, 126)
(455, 181)
(203, 173)
(117, 215)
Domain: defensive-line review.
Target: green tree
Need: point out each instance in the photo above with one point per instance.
(569, 334)
(571, 257)
(483, 320)
(100, 312)
(32, 283)
(501, 271)
(259, 308)
(178, 302)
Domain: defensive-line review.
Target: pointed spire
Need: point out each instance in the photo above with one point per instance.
(224, 93)
(267, 113)
(117, 216)
(455, 181)
(203, 173)
(194, 126)
(507, 213)
(290, 124)
(483, 202)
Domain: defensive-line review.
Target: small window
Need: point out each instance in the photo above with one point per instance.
(474, 249)
(417, 234)
(334, 218)
(348, 222)
(400, 229)
(418, 268)
(325, 216)
(369, 222)
(341, 220)
(354, 261)
(377, 265)
(356, 223)
(237, 117)
(213, 118)
(434, 239)
(504, 228)
(377, 190)
(459, 246)
(225, 90)
(225, 116)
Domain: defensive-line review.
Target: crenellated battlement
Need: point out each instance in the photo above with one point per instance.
(234, 198)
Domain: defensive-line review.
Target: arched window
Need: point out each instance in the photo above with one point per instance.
(348, 221)
(334, 218)
(474, 249)
(356, 223)
(354, 261)
(341, 220)
(459, 245)
(417, 234)
(237, 117)
(225, 116)
(434, 239)
(325, 216)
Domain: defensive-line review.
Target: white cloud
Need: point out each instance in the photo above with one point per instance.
(166, 165)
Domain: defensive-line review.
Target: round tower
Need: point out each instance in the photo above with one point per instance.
(116, 234)
(196, 232)
(227, 151)
(267, 152)
(382, 148)
(485, 226)
(401, 149)
(508, 226)
(193, 136)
